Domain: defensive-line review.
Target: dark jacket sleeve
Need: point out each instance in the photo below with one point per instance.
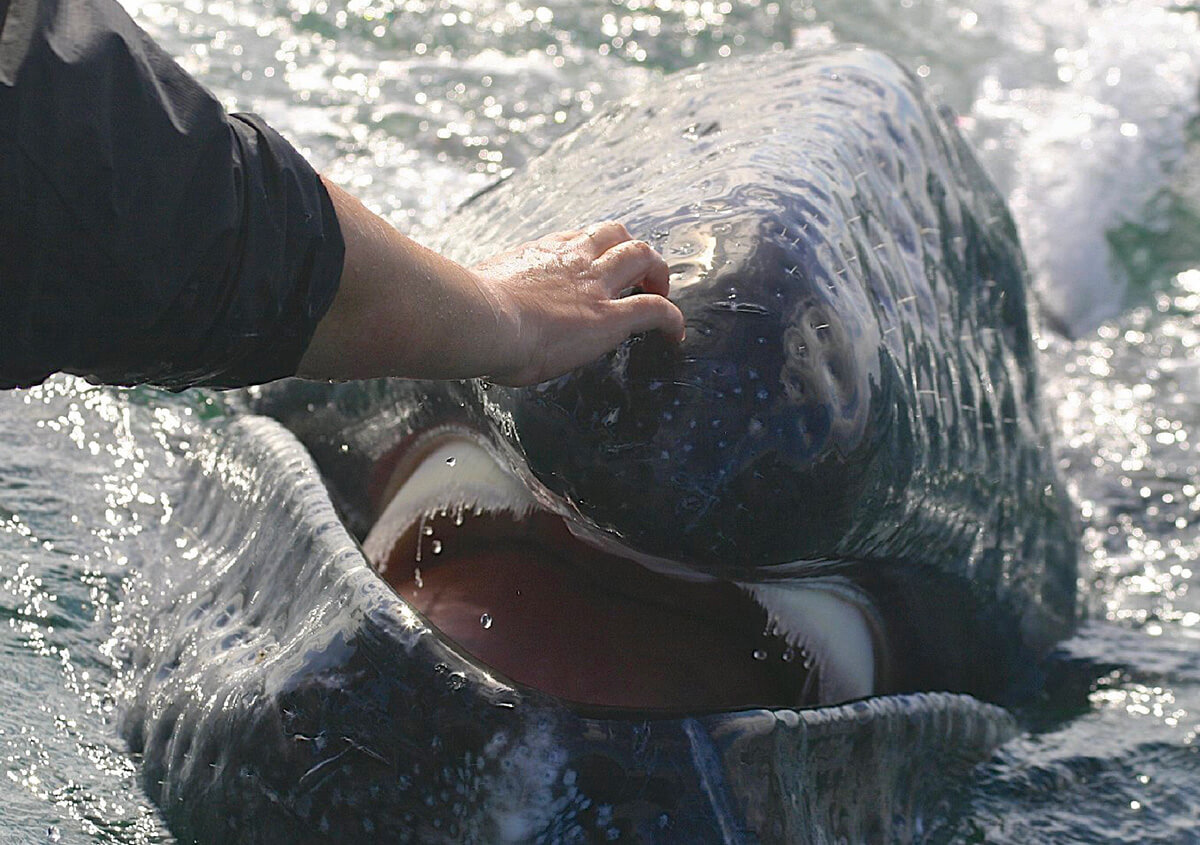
(145, 235)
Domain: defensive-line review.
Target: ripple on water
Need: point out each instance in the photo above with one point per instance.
(1081, 114)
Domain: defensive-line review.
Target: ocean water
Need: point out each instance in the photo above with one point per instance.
(1087, 114)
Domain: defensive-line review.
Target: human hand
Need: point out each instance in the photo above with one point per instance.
(523, 316)
(561, 305)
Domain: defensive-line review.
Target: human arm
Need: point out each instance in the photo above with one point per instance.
(523, 316)
(146, 236)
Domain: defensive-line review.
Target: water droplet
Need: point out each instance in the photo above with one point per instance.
(436, 547)
(424, 529)
(486, 620)
(417, 577)
(427, 530)
(789, 654)
(760, 654)
(450, 461)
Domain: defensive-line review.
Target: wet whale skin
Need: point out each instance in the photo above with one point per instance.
(856, 395)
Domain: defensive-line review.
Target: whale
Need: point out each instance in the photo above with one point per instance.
(782, 582)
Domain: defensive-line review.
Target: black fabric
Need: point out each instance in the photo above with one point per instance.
(145, 235)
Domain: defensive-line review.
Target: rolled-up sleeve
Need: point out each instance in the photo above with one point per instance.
(146, 235)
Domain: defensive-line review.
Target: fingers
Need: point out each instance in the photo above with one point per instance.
(645, 312)
(601, 237)
(619, 264)
(634, 264)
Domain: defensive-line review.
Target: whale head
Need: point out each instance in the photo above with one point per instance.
(683, 593)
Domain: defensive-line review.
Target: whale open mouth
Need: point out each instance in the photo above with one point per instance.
(520, 584)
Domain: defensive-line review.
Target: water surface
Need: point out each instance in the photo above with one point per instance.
(1084, 112)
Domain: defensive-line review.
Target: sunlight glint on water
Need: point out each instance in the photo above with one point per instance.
(1086, 116)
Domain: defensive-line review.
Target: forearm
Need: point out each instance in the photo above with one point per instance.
(401, 309)
(525, 315)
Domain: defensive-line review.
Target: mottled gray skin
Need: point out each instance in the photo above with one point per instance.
(856, 392)
(858, 380)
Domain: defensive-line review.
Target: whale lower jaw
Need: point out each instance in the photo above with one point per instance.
(514, 578)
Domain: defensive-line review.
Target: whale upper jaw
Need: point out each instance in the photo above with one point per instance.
(516, 578)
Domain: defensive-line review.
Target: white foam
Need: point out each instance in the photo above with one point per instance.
(1082, 154)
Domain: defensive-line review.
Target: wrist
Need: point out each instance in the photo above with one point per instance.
(508, 345)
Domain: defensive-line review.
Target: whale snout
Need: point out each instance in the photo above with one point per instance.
(773, 399)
